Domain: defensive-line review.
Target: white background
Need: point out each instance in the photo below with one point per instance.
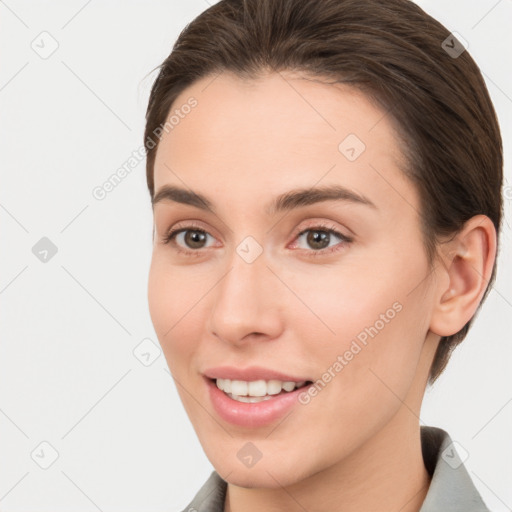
(69, 326)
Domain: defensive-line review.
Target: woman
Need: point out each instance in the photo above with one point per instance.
(326, 185)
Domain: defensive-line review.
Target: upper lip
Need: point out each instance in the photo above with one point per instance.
(250, 373)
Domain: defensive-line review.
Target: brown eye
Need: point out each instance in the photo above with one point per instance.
(318, 239)
(321, 239)
(187, 238)
(194, 239)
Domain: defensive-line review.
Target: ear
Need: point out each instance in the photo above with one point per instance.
(464, 269)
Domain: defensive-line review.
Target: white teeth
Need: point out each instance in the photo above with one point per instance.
(227, 385)
(274, 387)
(257, 388)
(288, 386)
(249, 399)
(239, 387)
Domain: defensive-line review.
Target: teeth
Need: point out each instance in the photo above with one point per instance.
(249, 399)
(257, 388)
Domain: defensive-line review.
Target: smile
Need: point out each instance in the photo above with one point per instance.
(256, 390)
(239, 407)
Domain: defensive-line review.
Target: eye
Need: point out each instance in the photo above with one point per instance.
(319, 238)
(189, 237)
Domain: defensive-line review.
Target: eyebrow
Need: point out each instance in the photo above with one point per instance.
(290, 200)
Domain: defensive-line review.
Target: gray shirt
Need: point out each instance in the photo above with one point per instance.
(451, 488)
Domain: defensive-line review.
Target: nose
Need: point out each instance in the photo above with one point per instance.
(247, 303)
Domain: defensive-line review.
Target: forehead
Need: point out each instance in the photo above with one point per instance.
(250, 138)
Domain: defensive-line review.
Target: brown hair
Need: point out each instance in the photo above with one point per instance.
(394, 52)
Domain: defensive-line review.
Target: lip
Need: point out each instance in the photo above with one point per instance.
(252, 415)
(250, 373)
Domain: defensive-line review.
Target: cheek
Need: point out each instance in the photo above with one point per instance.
(161, 301)
(171, 301)
(173, 297)
(367, 323)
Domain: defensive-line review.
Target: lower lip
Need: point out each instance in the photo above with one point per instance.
(252, 414)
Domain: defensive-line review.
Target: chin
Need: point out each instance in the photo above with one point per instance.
(260, 478)
(269, 474)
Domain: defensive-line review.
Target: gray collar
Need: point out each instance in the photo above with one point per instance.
(451, 488)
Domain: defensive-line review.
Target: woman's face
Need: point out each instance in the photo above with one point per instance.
(347, 310)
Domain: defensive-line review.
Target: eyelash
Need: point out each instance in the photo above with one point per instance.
(322, 227)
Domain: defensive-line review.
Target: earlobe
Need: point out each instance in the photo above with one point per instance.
(467, 268)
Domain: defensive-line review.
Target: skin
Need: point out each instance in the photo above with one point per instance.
(356, 445)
